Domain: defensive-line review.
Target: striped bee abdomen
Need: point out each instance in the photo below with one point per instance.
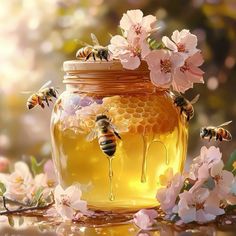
(107, 143)
(83, 52)
(32, 101)
(225, 134)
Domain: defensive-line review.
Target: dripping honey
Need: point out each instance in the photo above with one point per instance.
(155, 139)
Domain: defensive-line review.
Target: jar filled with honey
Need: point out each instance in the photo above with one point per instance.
(114, 133)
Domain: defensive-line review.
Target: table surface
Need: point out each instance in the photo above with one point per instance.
(39, 226)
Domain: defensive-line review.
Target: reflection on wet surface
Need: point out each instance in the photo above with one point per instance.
(34, 226)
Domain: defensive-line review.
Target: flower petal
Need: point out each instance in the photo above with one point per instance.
(217, 168)
(130, 62)
(148, 22)
(169, 44)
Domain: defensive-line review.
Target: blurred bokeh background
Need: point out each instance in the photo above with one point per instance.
(37, 36)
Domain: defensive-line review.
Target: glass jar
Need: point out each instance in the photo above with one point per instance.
(106, 107)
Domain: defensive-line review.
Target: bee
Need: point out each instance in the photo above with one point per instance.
(106, 134)
(96, 51)
(218, 133)
(44, 94)
(185, 105)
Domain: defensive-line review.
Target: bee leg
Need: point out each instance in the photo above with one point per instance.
(94, 56)
(42, 105)
(46, 100)
(117, 135)
(210, 138)
(89, 55)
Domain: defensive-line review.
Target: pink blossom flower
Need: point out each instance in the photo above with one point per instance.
(19, 183)
(182, 42)
(128, 51)
(188, 74)
(223, 179)
(4, 164)
(68, 202)
(201, 164)
(145, 218)
(162, 65)
(199, 206)
(167, 196)
(133, 22)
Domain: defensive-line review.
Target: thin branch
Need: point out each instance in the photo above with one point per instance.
(25, 209)
(8, 212)
(4, 203)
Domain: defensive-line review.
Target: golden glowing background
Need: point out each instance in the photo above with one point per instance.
(37, 36)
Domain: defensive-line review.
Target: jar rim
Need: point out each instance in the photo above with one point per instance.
(114, 65)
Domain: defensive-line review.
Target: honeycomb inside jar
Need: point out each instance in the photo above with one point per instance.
(153, 138)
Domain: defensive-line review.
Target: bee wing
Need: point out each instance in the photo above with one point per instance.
(172, 95)
(94, 39)
(224, 124)
(92, 135)
(82, 43)
(45, 85)
(121, 128)
(195, 99)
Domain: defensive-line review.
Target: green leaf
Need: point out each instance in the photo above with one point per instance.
(229, 164)
(36, 167)
(38, 194)
(11, 221)
(2, 188)
(154, 44)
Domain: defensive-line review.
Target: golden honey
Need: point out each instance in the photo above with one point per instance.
(153, 138)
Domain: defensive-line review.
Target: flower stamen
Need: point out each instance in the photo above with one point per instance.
(181, 47)
(165, 65)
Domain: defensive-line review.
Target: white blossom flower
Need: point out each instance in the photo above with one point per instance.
(145, 218)
(199, 206)
(162, 65)
(68, 202)
(19, 183)
(167, 196)
(182, 42)
(133, 22)
(129, 51)
(223, 179)
(201, 164)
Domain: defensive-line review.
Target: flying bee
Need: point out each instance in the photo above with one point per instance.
(96, 51)
(44, 94)
(185, 105)
(106, 134)
(218, 133)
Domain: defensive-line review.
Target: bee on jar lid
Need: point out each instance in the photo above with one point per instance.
(95, 51)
